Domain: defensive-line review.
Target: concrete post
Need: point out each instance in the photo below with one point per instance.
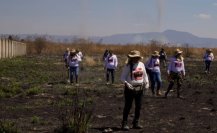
(12, 48)
(9, 48)
(0, 48)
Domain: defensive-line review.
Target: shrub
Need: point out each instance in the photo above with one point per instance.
(40, 44)
(89, 61)
(77, 118)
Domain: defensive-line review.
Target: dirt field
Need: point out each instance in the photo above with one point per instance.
(34, 92)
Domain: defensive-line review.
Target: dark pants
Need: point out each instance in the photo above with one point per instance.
(155, 80)
(130, 95)
(207, 64)
(112, 72)
(175, 77)
(163, 62)
(66, 63)
(73, 71)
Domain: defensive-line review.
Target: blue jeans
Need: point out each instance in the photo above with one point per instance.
(155, 79)
(73, 71)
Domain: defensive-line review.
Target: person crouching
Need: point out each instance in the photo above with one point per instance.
(176, 72)
(135, 79)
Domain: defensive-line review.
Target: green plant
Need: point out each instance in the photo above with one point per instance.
(35, 120)
(34, 91)
(8, 127)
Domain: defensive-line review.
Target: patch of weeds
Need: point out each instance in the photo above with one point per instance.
(9, 89)
(35, 120)
(76, 118)
(65, 102)
(69, 92)
(34, 91)
(7, 126)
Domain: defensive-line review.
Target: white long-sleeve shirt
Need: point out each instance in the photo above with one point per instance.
(153, 64)
(74, 61)
(209, 57)
(80, 55)
(139, 75)
(176, 66)
(111, 62)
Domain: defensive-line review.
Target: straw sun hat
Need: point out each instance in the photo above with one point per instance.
(178, 51)
(155, 53)
(134, 54)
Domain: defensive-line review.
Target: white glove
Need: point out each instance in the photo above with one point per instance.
(129, 85)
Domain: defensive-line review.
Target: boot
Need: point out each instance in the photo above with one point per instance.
(124, 126)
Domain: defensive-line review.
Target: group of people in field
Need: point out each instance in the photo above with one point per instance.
(137, 76)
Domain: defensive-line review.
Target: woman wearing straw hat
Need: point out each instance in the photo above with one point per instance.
(153, 64)
(176, 72)
(73, 62)
(208, 58)
(135, 79)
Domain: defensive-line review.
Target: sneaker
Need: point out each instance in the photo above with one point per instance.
(158, 93)
(107, 83)
(137, 126)
(124, 127)
(180, 97)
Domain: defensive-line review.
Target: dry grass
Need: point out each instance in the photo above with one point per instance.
(89, 61)
(90, 48)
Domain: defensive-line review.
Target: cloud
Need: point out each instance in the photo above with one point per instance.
(215, 4)
(203, 16)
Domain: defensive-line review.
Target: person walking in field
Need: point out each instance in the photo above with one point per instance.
(111, 63)
(73, 62)
(105, 54)
(65, 57)
(163, 57)
(208, 58)
(176, 72)
(153, 65)
(134, 78)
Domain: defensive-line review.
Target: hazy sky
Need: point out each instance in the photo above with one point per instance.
(107, 17)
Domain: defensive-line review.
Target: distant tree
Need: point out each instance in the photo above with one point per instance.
(187, 50)
(10, 37)
(40, 44)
